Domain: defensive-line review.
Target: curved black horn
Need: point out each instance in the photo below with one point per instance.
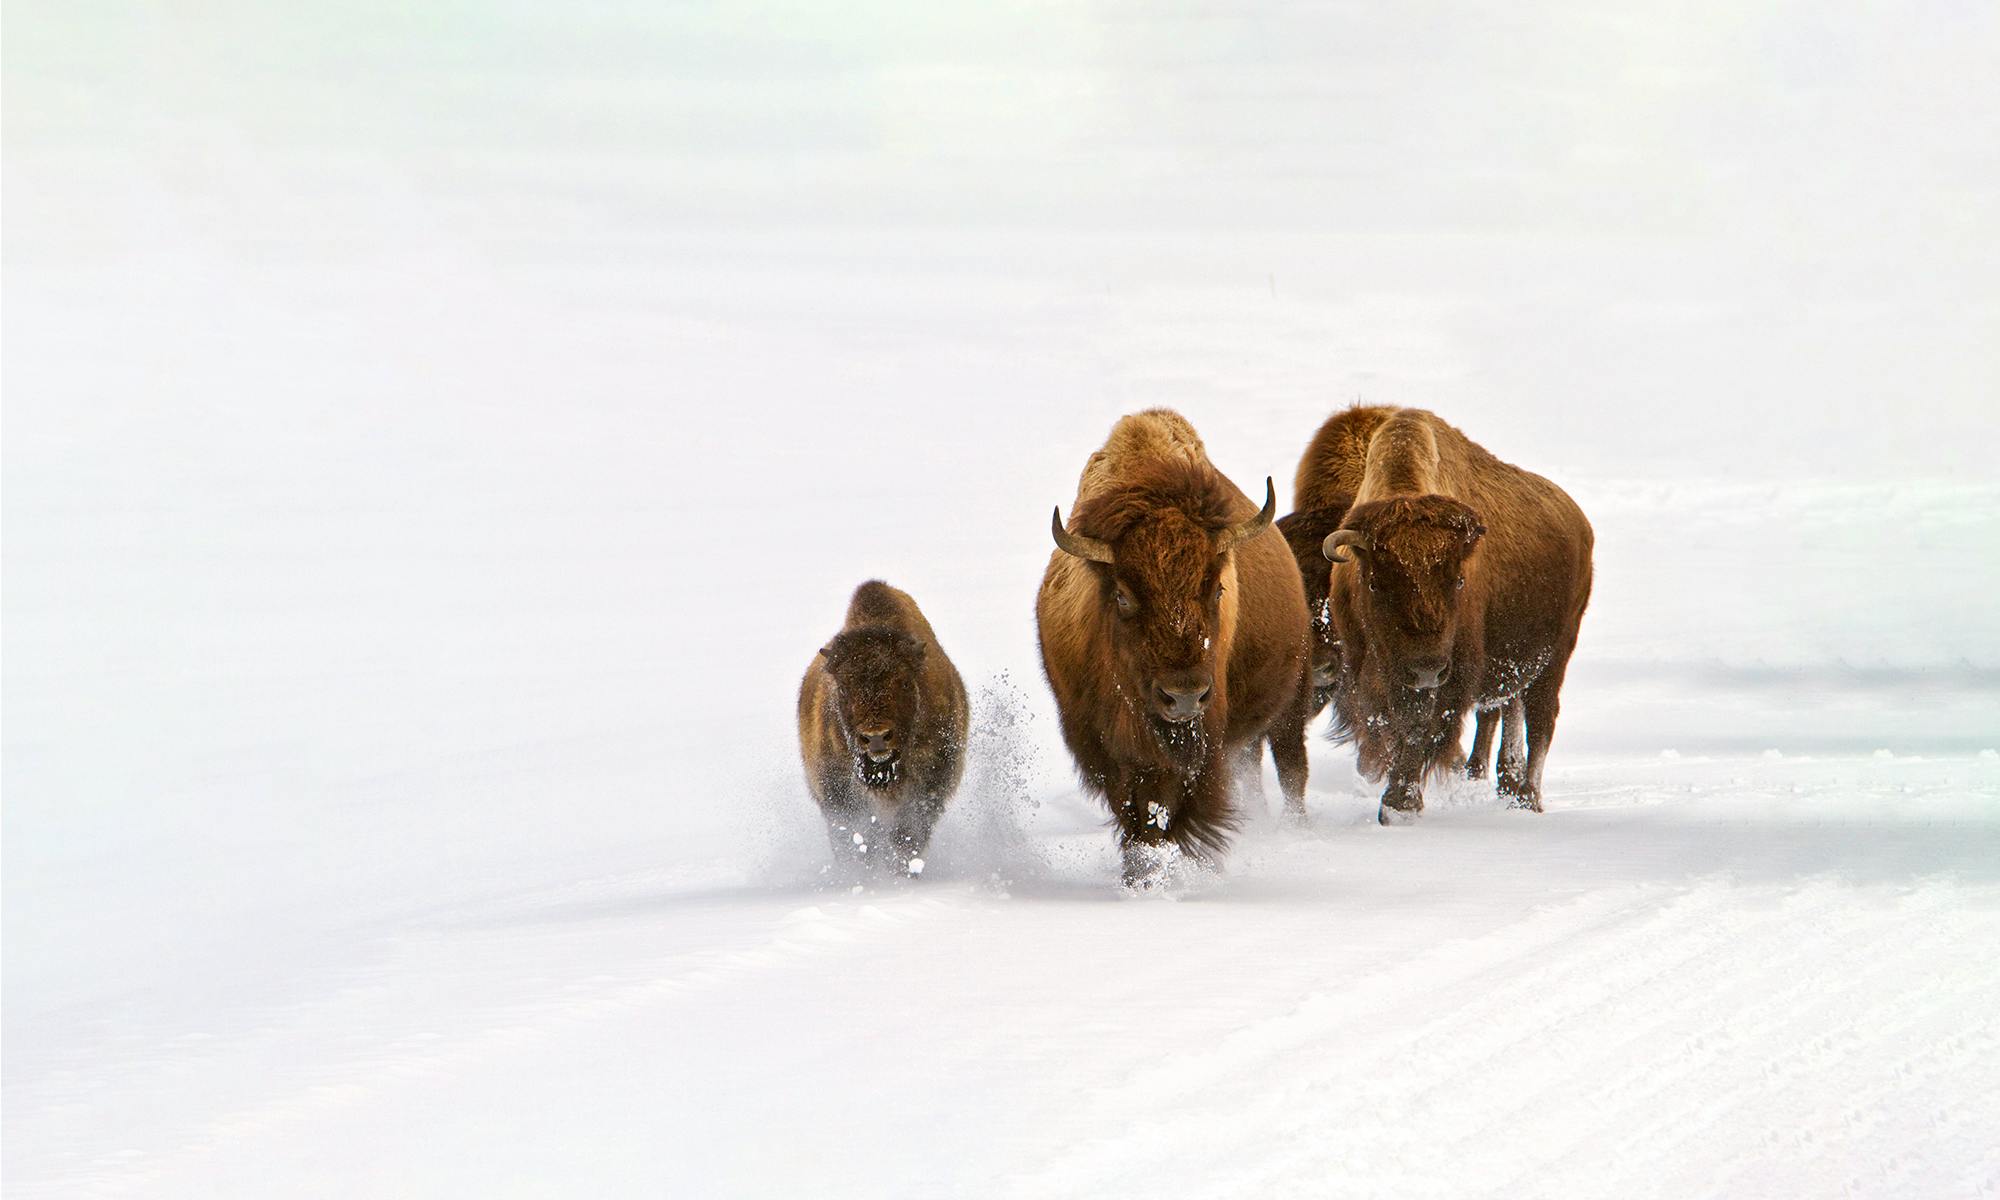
(1257, 524)
(1087, 548)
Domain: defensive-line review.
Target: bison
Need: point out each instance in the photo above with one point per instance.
(1457, 585)
(1174, 633)
(1321, 509)
(882, 730)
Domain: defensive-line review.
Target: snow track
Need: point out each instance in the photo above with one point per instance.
(1677, 985)
(1670, 1024)
(439, 1004)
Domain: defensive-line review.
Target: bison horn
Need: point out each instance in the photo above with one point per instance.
(1342, 537)
(1257, 524)
(1087, 548)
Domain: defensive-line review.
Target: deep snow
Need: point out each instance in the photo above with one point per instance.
(1735, 976)
(433, 450)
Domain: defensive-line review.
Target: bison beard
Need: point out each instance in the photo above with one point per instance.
(878, 775)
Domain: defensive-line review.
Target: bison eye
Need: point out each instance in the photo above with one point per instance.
(1126, 604)
(1461, 581)
(1215, 597)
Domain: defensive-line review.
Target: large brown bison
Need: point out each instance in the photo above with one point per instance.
(1321, 509)
(1457, 585)
(882, 729)
(1173, 630)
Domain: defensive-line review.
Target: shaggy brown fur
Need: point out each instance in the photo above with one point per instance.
(1466, 574)
(1323, 501)
(1305, 532)
(1177, 607)
(882, 729)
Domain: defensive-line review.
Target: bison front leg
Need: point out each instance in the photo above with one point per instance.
(851, 832)
(1420, 741)
(1402, 800)
(1141, 804)
(1202, 815)
(912, 835)
(1164, 814)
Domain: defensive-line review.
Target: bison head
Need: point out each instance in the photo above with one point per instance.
(1162, 555)
(876, 698)
(1412, 553)
(1306, 532)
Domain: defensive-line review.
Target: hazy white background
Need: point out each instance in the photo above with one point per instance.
(435, 438)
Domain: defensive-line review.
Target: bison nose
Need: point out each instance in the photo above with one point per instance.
(878, 743)
(1427, 673)
(1181, 699)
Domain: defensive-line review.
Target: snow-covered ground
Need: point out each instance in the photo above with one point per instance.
(1693, 976)
(433, 450)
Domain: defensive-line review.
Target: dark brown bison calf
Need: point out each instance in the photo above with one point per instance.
(882, 729)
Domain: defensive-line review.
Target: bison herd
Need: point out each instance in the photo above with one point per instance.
(1182, 628)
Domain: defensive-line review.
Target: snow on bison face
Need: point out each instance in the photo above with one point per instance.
(875, 677)
(1166, 578)
(1411, 553)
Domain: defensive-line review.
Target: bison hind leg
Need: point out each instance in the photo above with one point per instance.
(1485, 725)
(1287, 737)
(1247, 776)
(1513, 771)
(1290, 757)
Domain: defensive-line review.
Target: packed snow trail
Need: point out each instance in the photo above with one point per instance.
(1751, 977)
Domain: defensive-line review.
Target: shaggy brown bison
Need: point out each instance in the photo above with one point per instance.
(1321, 511)
(1458, 582)
(882, 727)
(1173, 631)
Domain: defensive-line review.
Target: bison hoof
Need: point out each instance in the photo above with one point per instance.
(1149, 865)
(1166, 867)
(1398, 816)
